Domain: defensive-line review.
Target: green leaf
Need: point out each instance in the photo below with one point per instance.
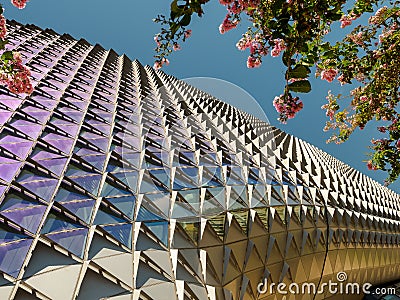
(176, 11)
(328, 54)
(185, 20)
(285, 59)
(8, 55)
(301, 86)
(3, 43)
(299, 71)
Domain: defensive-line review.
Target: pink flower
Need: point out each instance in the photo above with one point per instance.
(165, 61)
(188, 33)
(157, 41)
(225, 2)
(18, 81)
(341, 80)
(278, 47)
(287, 106)
(275, 52)
(382, 129)
(177, 47)
(329, 74)
(19, 3)
(235, 8)
(3, 29)
(157, 65)
(357, 38)
(227, 24)
(253, 62)
(345, 21)
(370, 166)
(363, 98)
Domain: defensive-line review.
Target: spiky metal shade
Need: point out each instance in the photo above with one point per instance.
(120, 181)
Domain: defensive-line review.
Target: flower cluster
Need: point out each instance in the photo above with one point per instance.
(329, 74)
(253, 62)
(229, 23)
(13, 73)
(278, 47)
(357, 38)
(287, 106)
(331, 107)
(346, 20)
(379, 16)
(160, 63)
(19, 3)
(18, 79)
(164, 43)
(3, 29)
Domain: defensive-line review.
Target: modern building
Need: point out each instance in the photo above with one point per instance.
(118, 181)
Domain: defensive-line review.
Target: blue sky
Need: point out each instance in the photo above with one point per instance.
(127, 27)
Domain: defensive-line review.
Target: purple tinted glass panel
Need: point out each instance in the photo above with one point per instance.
(4, 116)
(28, 218)
(54, 165)
(84, 151)
(42, 154)
(70, 129)
(103, 143)
(43, 189)
(13, 104)
(96, 161)
(11, 139)
(63, 145)
(90, 135)
(52, 136)
(19, 149)
(7, 171)
(6, 160)
(2, 189)
(32, 130)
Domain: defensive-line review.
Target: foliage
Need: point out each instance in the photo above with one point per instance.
(13, 73)
(297, 31)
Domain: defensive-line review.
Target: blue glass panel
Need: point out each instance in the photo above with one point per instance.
(55, 224)
(12, 256)
(104, 216)
(66, 195)
(82, 209)
(89, 183)
(145, 215)
(160, 230)
(122, 232)
(73, 240)
(125, 204)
